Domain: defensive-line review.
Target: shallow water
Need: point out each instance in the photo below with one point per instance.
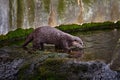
(100, 45)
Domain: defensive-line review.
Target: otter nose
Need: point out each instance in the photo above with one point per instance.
(80, 46)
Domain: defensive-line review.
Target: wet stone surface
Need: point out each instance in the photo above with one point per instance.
(91, 71)
(9, 69)
(75, 69)
(13, 59)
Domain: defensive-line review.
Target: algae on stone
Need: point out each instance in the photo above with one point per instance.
(31, 11)
(46, 4)
(61, 7)
(20, 13)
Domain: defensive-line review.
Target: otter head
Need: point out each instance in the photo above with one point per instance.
(77, 42)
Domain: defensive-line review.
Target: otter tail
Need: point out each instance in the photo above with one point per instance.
(28, 40)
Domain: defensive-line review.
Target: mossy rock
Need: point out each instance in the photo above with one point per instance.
(50, 69)
(117, 24)
(46, 70)
(87, 27)
(14, 36)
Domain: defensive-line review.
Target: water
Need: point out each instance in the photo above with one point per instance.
(100, 45)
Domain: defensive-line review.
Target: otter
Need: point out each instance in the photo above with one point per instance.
(50, 35)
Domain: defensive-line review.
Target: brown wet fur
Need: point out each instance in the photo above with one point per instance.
(50, 35)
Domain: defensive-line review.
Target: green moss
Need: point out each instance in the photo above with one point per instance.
(98, 26)
(21, 73)
(87, 27)
(46, 4)
(14, 36)
(88, 57)
(61, 7)
(117, 24)
(20, 13)
(72, 2)
(69, 27)
(53, 62)
(19, 33)
(50, 70)
(86, 1)
(31, 12)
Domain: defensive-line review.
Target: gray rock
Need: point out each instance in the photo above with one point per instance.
(9, 69)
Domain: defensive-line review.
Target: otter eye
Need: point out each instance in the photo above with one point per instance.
(75, 40)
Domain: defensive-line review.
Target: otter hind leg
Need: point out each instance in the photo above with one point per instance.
(36, 44)
(28, 40)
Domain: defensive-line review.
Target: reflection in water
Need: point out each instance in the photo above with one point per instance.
(99, 45)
